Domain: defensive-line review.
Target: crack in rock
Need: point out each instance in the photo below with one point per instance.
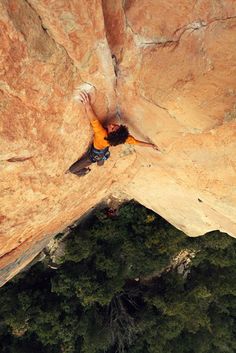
(40, 19)
(193, 26)
(143, 42)
(199, 24)
(57, 44)
(19, 159)
(45, 29)
(157, 105)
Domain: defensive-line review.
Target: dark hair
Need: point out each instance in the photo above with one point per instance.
(118, 137)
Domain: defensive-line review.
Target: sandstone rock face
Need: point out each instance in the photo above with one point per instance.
(167, 71)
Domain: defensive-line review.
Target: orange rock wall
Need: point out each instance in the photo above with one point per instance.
(167, 71)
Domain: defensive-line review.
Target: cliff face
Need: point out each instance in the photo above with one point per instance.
(170, 73)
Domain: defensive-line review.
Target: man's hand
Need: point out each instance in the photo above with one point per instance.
(148, 144)
(155, 147)
(85, 99)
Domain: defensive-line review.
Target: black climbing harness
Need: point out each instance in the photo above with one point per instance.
(96, 155)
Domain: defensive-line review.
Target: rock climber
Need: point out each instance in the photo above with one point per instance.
(104, 137)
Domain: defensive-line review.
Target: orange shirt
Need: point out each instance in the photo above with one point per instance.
(100, 133)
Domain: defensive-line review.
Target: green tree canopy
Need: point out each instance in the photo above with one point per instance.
(118, 290)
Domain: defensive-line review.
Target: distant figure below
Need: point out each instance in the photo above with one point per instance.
(104, 137)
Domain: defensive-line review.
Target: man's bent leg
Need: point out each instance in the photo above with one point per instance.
(80, 167)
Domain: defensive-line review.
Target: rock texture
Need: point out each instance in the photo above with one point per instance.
(167, 71)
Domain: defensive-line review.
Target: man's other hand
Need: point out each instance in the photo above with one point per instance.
(155, 147)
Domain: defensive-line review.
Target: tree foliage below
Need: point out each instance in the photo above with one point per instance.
(116, 292)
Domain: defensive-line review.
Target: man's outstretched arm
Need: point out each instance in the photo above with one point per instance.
(85, 99)
(97, 127)
(147, 144)
(133, 141)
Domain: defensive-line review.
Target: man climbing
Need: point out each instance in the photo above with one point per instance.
(112, 135)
